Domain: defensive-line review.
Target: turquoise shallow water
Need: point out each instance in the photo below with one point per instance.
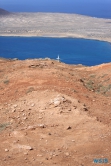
(70, 50)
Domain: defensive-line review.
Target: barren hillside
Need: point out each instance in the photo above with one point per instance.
(55, 25)
(53, 114)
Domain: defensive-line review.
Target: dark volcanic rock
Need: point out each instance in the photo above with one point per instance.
(4, 12)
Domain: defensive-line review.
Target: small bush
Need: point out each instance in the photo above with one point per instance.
(92, 76)
(104, 75)
(3, 126)
(90, 85)
(103, 89)
(6, 81)
(30, 90)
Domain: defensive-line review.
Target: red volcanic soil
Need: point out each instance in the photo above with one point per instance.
(53, 114)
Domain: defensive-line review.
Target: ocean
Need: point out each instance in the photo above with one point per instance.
(71, 50)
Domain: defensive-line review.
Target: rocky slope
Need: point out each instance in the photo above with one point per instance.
(52, 113)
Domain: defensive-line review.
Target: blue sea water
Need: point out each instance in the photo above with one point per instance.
(70, 50)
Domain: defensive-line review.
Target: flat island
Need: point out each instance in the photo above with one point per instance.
(55, 25)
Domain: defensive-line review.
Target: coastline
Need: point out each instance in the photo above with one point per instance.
(85, 52)
(57, 36)
(56, 25)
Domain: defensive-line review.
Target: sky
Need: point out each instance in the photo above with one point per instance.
(95, 8)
